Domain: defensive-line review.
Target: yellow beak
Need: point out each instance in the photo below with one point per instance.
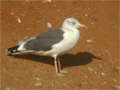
(82, 26)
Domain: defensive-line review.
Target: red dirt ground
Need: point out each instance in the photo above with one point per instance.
(21, 19)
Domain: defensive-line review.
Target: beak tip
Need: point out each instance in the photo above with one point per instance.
(83, 26)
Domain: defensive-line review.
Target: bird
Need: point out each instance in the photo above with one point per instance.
(53, 42)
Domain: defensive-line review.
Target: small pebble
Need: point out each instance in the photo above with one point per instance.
(89, 41)
(92, 23)
(37, 78)
(102, 73)
(90, 69)
(19, 20)
(44, 1)
(12, 13)
(38, 84)
(114, 80)
(86, 15)
(49, 0)
(49, 25)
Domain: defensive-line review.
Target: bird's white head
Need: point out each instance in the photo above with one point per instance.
(72, 23)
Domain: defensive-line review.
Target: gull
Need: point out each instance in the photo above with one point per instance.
(51, 43)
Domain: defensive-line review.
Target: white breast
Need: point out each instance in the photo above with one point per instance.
(69, 41)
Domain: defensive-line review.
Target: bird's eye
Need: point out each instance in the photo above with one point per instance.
(73, 23)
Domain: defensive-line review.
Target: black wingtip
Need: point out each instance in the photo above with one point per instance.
(11, 51)
(8, 52)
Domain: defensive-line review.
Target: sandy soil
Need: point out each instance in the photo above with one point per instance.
(21, 19)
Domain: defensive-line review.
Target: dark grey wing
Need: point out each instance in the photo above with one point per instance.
(45, 41)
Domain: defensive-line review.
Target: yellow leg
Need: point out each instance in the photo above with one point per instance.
(56, 68)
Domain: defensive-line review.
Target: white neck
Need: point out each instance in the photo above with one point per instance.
(68, 28)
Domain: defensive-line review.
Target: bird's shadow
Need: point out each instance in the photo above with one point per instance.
(67, 60)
